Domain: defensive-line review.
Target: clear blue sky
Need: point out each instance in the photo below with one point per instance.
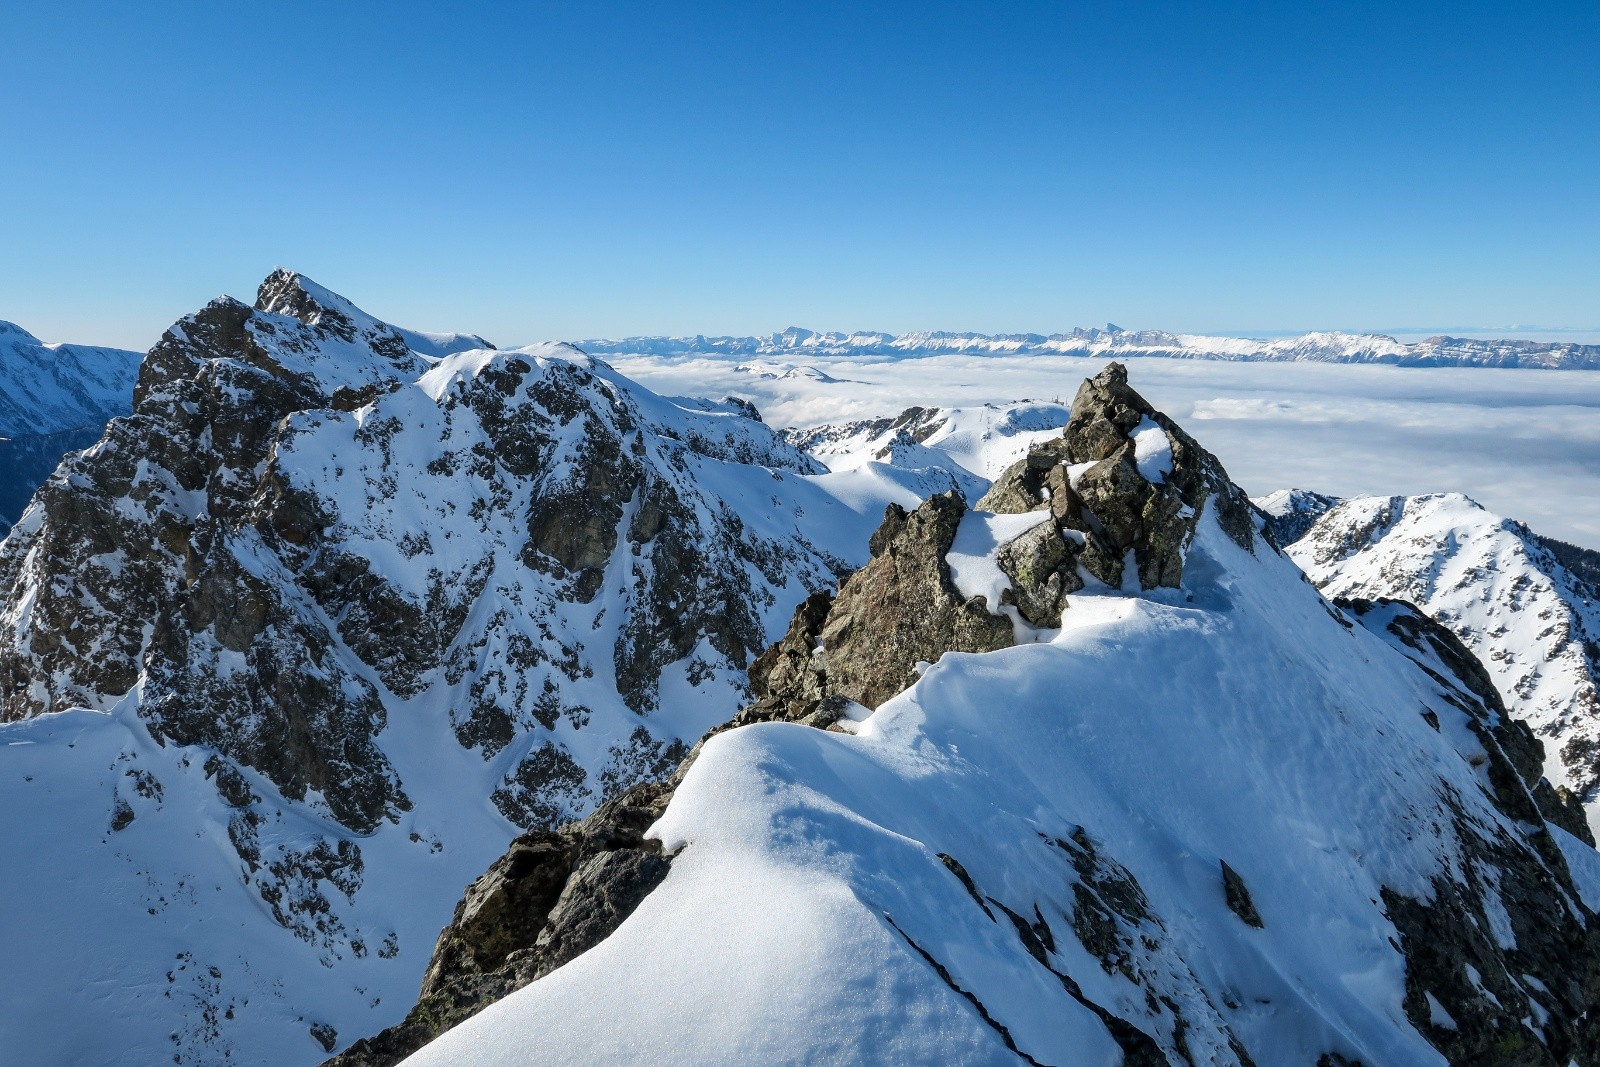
(594, 169)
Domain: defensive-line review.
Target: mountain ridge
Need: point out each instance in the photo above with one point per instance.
(1114, 342)
(1121, 838)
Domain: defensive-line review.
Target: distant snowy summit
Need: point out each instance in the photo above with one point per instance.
(1113, 341)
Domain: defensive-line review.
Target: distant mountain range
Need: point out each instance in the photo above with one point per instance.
(1113, 341)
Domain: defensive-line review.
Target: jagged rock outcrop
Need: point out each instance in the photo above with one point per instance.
(1122, 478)
(899, 610)
(556, 893)
(553, 895)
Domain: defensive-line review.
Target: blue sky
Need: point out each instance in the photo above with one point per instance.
(542, 170)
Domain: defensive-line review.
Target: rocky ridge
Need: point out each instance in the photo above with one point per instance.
(1520, 995)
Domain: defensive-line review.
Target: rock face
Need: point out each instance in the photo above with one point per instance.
(1130, 483)
(552, 896)
(1510, 911)
(899, 610)
(1292, 512)
(384, 598)
(1532, 621)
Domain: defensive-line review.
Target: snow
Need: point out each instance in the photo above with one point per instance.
(973, 566)
(108, 918)
(808, 885)
(1176, 730)
(1152, 451)
(1584, 863)
(49, 388)
(1437, 1015)
(1115, 342)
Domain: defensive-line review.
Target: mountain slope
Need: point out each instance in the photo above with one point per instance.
(1532, 622)
(54, 399)
(1114, 342)
(1199, 816)
(302, 642)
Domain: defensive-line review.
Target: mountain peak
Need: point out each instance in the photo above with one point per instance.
(287, 292)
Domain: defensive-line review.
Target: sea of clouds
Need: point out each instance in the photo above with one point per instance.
(1524, 443)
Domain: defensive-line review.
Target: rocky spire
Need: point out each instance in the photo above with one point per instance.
(1122, 477)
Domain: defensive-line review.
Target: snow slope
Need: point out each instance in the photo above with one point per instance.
(1116, 343)
(47, 388)
(1533, 624)
(1030, 840)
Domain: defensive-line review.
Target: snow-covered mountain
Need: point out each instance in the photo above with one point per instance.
(54, 399)
(1086, 774)
(1115, 342)
(303, 641)
(1533, 623)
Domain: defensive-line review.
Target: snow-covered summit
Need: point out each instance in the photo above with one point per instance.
(286, 292)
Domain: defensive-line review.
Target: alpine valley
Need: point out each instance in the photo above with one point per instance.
(1010, 733)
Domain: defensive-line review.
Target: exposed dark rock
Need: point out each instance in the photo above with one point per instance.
(1293, 513)
(1107, 505)
(1584, 563)
(1238, 897)
(570, 888)
(1043, 568)
(558, 892)
(552, 896)
(902, 608)
(325, 1035)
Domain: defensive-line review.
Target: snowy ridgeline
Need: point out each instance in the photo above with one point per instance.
(1533, 622)
(348, 606)
(1189, 810)
(1189, 824)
